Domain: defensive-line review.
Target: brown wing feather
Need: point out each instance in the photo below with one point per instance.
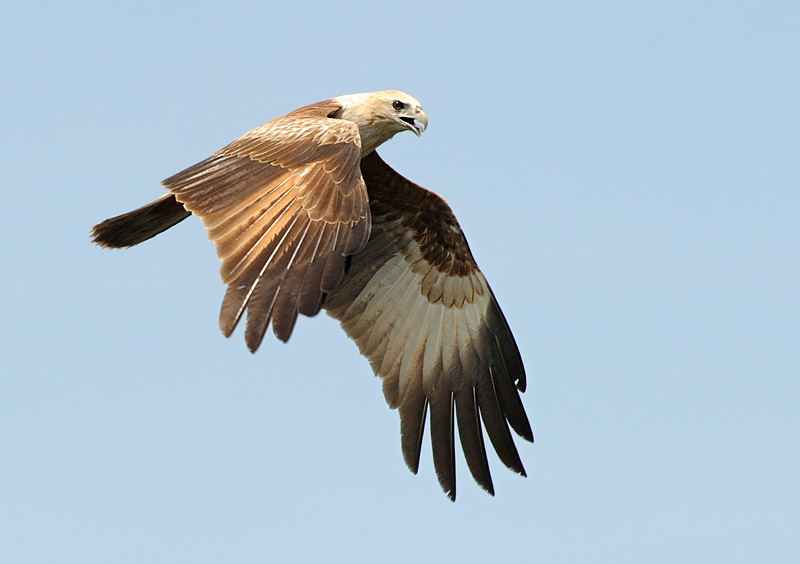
(285, 205)
(423, 314)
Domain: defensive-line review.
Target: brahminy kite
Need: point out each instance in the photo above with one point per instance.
(305, 215)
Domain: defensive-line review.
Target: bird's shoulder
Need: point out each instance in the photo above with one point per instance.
(307, 133)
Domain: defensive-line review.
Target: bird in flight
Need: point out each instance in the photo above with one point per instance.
(306, 216)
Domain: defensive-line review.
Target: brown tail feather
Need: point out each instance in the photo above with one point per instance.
(141, 224)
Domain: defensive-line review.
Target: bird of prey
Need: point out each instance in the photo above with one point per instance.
(306, 216)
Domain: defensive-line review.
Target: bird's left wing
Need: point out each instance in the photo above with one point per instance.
(420, 310)
(285, 205)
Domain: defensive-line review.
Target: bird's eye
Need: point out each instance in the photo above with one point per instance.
(398, 105)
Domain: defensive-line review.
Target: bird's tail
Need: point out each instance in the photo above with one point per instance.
(141, 224)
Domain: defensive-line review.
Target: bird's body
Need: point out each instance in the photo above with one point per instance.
(305, 215)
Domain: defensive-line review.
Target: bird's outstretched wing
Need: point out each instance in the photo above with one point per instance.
(285, 205)
(422, 312)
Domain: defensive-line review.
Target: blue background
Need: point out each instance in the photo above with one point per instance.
(627, 174)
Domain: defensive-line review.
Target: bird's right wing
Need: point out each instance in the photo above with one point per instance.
(421, 311)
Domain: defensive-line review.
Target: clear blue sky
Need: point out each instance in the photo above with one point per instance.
(627, 174)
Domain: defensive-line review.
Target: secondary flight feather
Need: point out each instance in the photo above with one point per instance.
(305, 215)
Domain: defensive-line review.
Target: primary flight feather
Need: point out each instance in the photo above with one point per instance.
(305, 215)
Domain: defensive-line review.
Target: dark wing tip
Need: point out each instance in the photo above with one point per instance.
(471, 435)
(413, 412)
(442, 404)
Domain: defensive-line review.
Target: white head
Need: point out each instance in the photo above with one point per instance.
(380, 115)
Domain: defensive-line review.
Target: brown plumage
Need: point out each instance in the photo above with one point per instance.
(305, 215)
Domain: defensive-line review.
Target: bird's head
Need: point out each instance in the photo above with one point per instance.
(381, 115)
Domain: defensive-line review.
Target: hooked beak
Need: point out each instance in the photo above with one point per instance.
(418, 123)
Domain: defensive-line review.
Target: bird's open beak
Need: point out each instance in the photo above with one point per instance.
(421, 117)
(418, 123)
